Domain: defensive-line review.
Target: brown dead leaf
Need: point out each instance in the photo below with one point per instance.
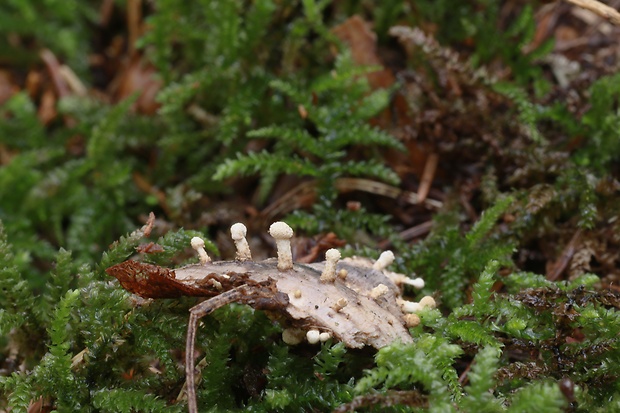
(138, 76)
(47, 107)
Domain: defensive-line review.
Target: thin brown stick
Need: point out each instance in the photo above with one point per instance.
(430, 167)
(195, 314)
(599, 8)
(134, 17)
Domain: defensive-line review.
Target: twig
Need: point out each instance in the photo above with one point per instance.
(430, 167)
(599, 8)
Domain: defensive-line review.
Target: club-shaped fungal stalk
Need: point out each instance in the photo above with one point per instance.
(332, 256)
(199, 245)
(238, 232)
(313, 336)
(409, 306)
(282, 233)
(399, 279)
(378, 291)
(340, 304)
(385, 259)
(415, 282)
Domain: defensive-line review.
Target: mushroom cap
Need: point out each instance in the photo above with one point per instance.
(387, 256)
(325, 336)
(416, 282)
(280, 230)
(313, 336)
(428, 301)
(412, 320)
(332, 254)
(197, 243)
(238, 231)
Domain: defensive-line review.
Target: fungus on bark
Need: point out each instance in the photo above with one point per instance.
(313, 336)
(199, 245)
(282, 233)
(238, 232)
(385, 259)
(340, 304)
(378, 291)
(331, 260)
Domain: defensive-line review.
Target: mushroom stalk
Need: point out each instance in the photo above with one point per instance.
(331, 260)
(282, 233)
(199, 245)
(238, 232)
(385, 259)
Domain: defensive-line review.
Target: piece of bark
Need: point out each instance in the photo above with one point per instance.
(376, 322)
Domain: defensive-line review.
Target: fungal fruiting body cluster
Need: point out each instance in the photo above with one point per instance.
(353, 300)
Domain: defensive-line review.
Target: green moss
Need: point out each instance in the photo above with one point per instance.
(253, 94)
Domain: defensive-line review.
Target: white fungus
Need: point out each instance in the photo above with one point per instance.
(332, 256)
(399, 279)
(378, 291)
(238, 232)
(415, 282)
(343, 273)
(340, 304)
(313, 336)
(297, 293)
(218, 285)
(409, 306)
(385, 259)
(323, 337)
(282, 233)
(428, 301)
(199, 245)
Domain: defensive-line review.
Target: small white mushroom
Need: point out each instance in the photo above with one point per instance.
(415, 282)
(399, 279)
(332, 256)
(323, 337)
(297, 293)
(428, 301)
(343, 274)
(313, 336)
(238, 232)
(199, 245)
(293, 336)
(378, 291)
(282, 233)
(340, 304)
(385, 259)
(218, 285)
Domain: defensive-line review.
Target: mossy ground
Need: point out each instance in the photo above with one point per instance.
(478, 140)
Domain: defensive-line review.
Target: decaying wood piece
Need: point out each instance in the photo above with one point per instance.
(364, 321)
(356, 301)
